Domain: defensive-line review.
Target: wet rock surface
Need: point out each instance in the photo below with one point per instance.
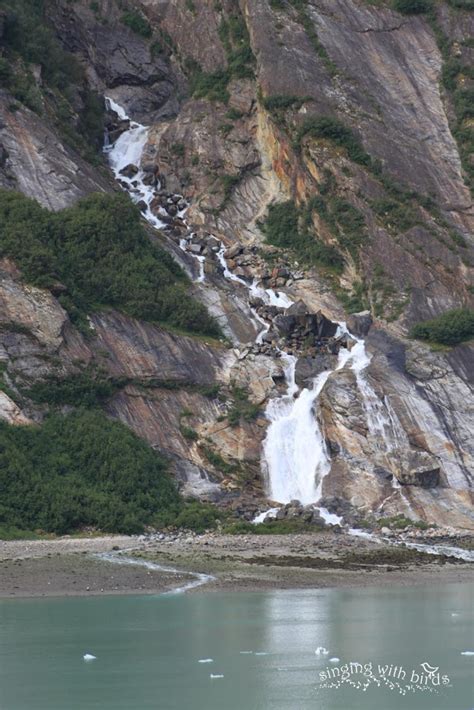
(214, 168)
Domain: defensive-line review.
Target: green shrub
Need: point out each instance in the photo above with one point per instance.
(85, 389)
(281, 228)
(270, 527)
(467, 5)
(334, 130)
(212, 86)
(100, 251)
(412, 7)
(137, 23)
(189, 433)
(283, 102)
(198, 517)
(178, 149)
(449, 328)
(81, 470)
(242, 409)
(233, 114)
(397, 214)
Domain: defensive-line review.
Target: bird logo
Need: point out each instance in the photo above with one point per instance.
(430, 670)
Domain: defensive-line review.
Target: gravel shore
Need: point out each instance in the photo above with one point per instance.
(70, 567)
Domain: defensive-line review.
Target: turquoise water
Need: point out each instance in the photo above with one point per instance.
(148, 649)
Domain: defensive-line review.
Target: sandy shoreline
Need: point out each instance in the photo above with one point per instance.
(69, 566)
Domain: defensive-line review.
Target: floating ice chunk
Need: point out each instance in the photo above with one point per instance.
(206, 660)
(261, 653)
(216, 675)
(454, 614)
(89, 657)
(334, 660)
(321, 651)
(467, 653)
(245, 653)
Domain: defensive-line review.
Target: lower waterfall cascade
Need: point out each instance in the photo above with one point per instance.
(295, 458)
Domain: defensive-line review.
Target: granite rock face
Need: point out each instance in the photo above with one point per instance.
(376, 72)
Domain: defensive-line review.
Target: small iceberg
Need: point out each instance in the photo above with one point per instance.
(467, 653)
(245, 653)
(89, 657)
(321, 651)
(216, 675)
(334, 660)
(206, 660)
(261, 653)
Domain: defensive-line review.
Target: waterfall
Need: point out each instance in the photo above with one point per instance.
(295, 452)
(295, 458)
(383, 423)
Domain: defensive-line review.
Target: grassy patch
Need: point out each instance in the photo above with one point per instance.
(10, 532)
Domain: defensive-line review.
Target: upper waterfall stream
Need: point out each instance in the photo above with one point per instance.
(295, 458)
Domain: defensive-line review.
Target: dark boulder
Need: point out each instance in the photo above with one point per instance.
(359, 324)
(129, 170)
(307, 368)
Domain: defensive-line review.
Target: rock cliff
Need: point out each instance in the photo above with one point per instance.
(338, 108)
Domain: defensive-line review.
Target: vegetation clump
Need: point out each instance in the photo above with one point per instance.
(337, 132)
(63, 94)
(279, 104)
(412, 7)
(304, 18)
(271, 527)
(99, 250)
(81, 470)
(85, 389)
(240, 62)
(242, 409)
(282, 229)
(137, 23)
(450, 328)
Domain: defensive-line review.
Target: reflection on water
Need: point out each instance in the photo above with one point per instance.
(148, 650)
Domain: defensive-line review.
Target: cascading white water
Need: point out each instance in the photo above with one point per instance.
(295, 456)
(382, 421)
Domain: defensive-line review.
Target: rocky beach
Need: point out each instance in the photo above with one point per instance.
(74, 567)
